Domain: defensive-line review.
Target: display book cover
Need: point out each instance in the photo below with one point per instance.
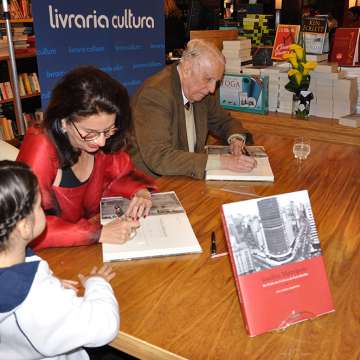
(262, 171)
(248, 93)
(345, 48)
(165, 231)
(315, 34)
(286, 35)
(276, 261)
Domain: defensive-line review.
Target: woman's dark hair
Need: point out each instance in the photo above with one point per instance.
(18, 191)
(86, 91)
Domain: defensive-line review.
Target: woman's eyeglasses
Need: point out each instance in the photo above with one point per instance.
(94, 135)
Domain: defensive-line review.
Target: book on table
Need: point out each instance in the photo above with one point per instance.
(276, 261)
(352, 120)
(262, 171)
(166, 231)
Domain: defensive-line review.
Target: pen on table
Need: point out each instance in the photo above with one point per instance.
(213, 244)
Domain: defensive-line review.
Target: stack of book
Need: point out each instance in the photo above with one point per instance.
(354, 72)
(334, 95)
(272, 72)
(350, 120)
(285, 96)
(274, 85)
(237, 54)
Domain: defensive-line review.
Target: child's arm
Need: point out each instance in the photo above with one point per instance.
(56, 321)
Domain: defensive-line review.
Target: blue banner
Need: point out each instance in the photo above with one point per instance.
(124, 38)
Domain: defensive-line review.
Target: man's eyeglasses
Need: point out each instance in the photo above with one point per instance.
(94, 135)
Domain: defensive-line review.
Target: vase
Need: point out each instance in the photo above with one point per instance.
(301, 104)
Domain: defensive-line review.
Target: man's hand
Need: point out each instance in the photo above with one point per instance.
(237, 146)
(240, 163)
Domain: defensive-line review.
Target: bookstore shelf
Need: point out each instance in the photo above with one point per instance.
(21, 97)
(16, 21)
(26, 64)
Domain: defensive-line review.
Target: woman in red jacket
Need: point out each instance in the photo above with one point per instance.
(77, 156)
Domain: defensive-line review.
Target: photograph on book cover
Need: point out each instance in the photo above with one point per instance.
(162, 203)
(266, 233)
(166, 231)
(254, 150)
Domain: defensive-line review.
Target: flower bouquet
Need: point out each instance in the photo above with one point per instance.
(299, 80)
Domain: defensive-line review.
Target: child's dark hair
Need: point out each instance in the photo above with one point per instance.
(18, 191)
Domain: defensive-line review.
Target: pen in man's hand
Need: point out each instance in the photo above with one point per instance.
(245, 151)
(213, 243)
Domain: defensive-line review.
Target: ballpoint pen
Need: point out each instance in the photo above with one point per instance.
(245, 151)
(213, 244)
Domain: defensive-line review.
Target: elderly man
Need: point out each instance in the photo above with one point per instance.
(173, 111)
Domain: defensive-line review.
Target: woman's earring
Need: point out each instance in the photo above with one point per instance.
(63, 131)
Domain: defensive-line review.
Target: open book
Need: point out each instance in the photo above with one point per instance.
(277, 261)
(262, 172)
(166, 231)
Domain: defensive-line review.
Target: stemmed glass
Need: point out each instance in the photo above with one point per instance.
(301, 148)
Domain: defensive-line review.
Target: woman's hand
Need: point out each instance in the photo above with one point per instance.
(118, 231)
(106, 272)
(139, 205)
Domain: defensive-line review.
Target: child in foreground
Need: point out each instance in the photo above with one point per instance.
(39, 317)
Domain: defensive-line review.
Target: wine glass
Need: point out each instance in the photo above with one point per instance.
(301, 148)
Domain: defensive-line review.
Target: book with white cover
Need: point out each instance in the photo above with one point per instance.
(166, 231)
(262, 171)
(350, 120)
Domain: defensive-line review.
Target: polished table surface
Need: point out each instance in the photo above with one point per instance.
(188, 305)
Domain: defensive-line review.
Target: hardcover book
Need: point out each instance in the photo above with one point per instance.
(285, 36)
(262, 171)
(166, 231)
(247, 93)
(277, 261)
(315, 34)
(345, 48)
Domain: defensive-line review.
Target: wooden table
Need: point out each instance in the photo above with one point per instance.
(316, 128)
(188, 305)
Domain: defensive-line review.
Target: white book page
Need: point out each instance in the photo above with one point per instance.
(262, 172)
(158, 235)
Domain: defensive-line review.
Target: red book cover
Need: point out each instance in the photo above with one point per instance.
(345, 46)
(277, 261)
(285, 36)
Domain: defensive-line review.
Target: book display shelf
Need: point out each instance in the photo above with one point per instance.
(28, 84)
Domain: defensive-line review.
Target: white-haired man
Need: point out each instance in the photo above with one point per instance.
(174, 110)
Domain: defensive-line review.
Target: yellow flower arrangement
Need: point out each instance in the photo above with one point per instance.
(299, 77)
